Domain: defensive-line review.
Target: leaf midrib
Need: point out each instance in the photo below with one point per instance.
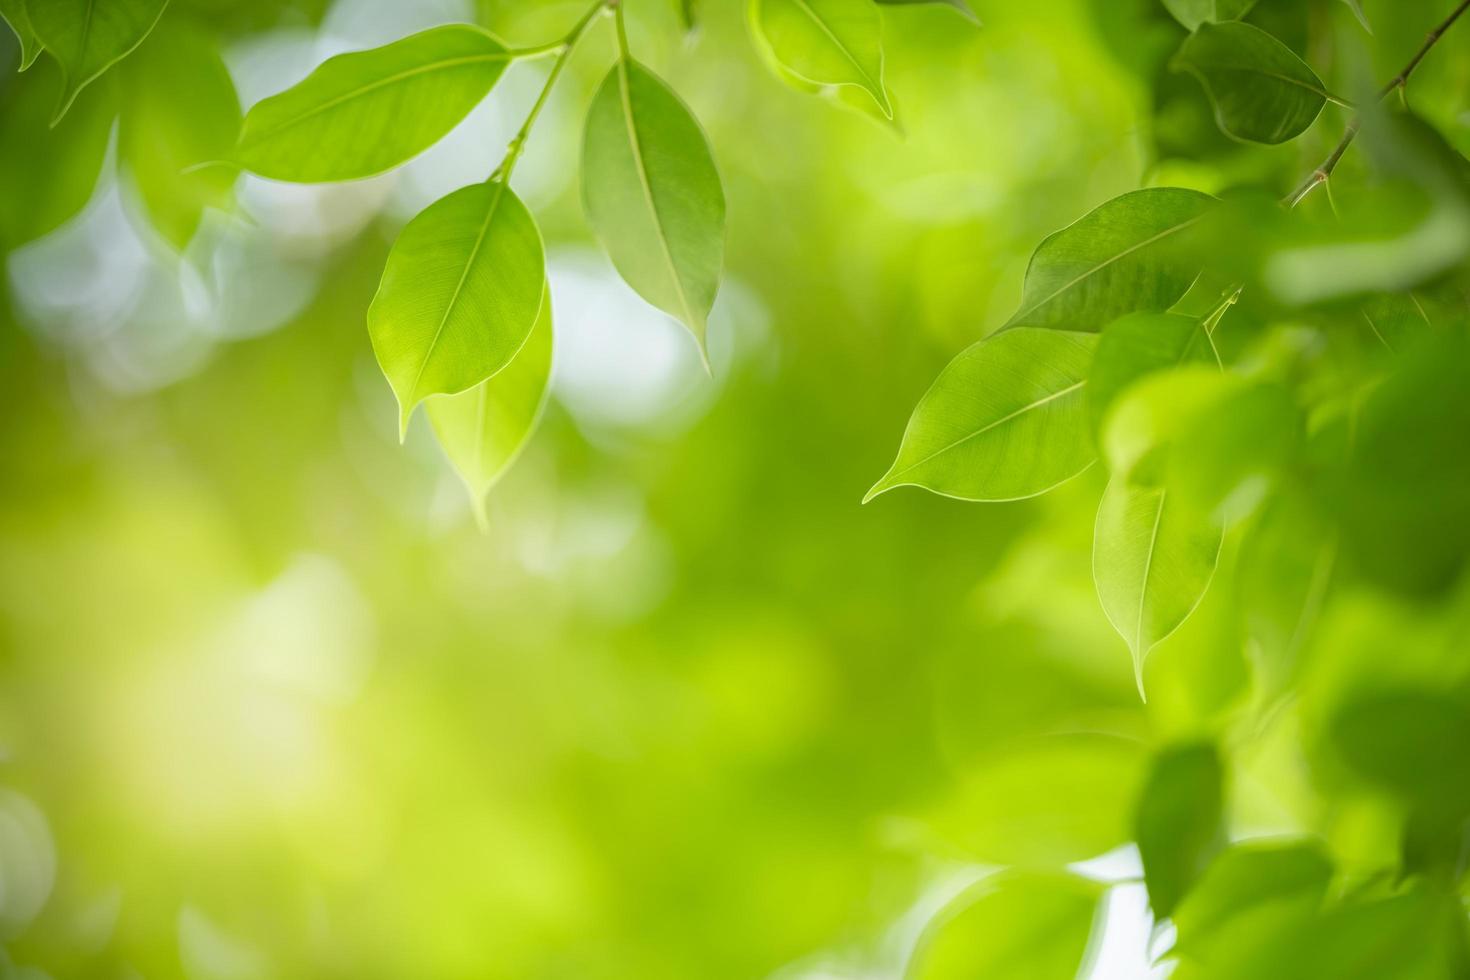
(360, 91)
(1016, 320)
(987, 427)
(806, 8)
(1251, 70)
(1148, 564)
(625, 98)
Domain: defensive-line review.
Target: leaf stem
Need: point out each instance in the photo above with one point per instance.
(563, 49)
(1397, 83)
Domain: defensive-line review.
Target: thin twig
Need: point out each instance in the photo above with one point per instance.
(1397, 83)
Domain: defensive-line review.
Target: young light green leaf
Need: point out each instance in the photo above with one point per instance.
(48, 172)
(1248, 886)
(1357, 8)
(652, 194)
(1192, 13)
(365, 112)
(483, 430)
(962, 6)
(1261, 90)
(1006, 419)
(89, 36)
(459, 296)
(825, 42)
(1138, 345)
(15, 14)
(1121, 257)
(181, 111)
(1152, 559)
(1037, 925)
(1179, 823)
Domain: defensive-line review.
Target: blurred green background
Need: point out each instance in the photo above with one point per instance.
(272, 706)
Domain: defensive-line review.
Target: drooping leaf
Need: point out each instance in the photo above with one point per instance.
(89, 36)
(1036, 925)
(1047, 800)
(483, 430)
(826, 42)
(1179, 822)
(962, 6)
(48, 172)
(1121, 257)
(459, 296)
(365, 112)
(18, 17)
(1152, 558)
(1006, 419)
(1193, 13)
(1135, 346)
(1261, 90)
(653, 195)
(182, 112)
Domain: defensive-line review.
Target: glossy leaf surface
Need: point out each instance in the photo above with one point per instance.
(1005, 419)
(1123, 256)
(365, 112)
(653, 195)
(1261, 90)
(459, 295)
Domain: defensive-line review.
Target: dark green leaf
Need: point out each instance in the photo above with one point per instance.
(1193, 13)
(1179, 823)
(1005, 419)
(1035, 925)
(19, 19)
(1122, 257)
(365, 112)
(653, 195)
(459, 295)
(89, 36)
(1413, 743)
(1261, 90)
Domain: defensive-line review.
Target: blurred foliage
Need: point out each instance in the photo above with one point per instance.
(272, 704)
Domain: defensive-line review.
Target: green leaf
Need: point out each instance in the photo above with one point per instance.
(1006, 419)
(89, 36)
(1284, 570)
(1152, 559)
(962, 6)
(19, 19)
(1036, 925)
(1261, 90)
(181, 111)
(1247, 889)
(459, 296)
(1047, 801)
(1193, 13)
(652, 194)
(483, 430)
(1118, 258)
(1356, 6)
(48, 172)
(1411, 743)
(365, 112)
(1135, 346)
(1179, 823)
(825, 42)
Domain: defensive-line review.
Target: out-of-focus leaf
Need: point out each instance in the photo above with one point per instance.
(1005, 419)
(181, 111)
(48, 172)
(962, 6)
(459, 296)
(1048, 800)
(1152, 558)
(87, 37)
(1247, 892)
(1193, 13)
(1413, 743)
(1261, 90)
(365, 112)
(1395, 319)
(483, 430)
(826, 42)
(15, 14)
(1179, 823)
(1036, 925)
(1284, 570)
(1138, 345)
(1119, 258)
(653, 195)
(1356, 6)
